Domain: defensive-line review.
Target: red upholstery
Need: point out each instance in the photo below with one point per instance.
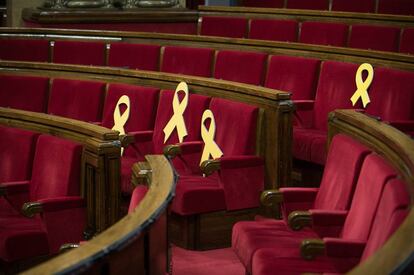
(380, 38)
(405, 7)
(188, 61)
(77, 99)
(323, 33)
(353, 5)
(134, 56)
(407, 41)
(16, 49)
(224, 26)
(244, 67)
(264, 3)
(79, 52)
(137, 196)
(271, 29)
(308, 5)
(24, 92)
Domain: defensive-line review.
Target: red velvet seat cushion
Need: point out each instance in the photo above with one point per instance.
(303, 140)
(271, 29)
(323, 33)
(224, 26)
(407, 41)
(79, 52)
(264, 3)
(24, 92)
(238, 66)
(187, 61)
(16, 49)
(353, 5)
(404, 7)
(380, 38)
(77, 99)
(134, 56)
(308, 5)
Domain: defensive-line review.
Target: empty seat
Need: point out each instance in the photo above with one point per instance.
(224, 26)
(264, 3)
(322, 33)
(380, 38)
(28, 93)
(77, 99)
(187, 61)
(134, 56)
(407, 41)
(403, 7)
(353, 5)
(16, 49)
(238, 66)
(271, 29)
(79, 52)
(308, 5)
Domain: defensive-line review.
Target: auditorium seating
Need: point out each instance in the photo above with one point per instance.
(79, 52)
(134, 56)
(378, 38)
(16, 49)
(277, 30)
(407, 41)
(405, 7)
(353, 5)
(322, 33)
(224, 26)
(309, 5)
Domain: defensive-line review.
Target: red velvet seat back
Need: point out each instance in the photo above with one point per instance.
(134, 56)
(77, 99)
(296, 75)
(264, 3)
(24, 92)
(187, 61)
(235, 127)
(405, 7)
(375, 173)
(244, 67)
(308, 5)
(79, 52)
(56, 168)
(192, 117)
(343, 165)
(224, 26)
(392, 210)
(392, 95)
(271, 29)
(353, 5)
(17, 49)
(16, 153)
(380, 38)
(143, 106)
(323, 33)
(335, 88)
(407, 41)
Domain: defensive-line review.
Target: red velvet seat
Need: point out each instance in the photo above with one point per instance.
(77, 99)
(79, 52)
(323, 33)
(134, 56)
(353, 5)
(24, 92)
(334, 194)
(379, 38)
(137, 196)
(238, 66)
(342, 254)
(224, 26)
(55, 186)
(240, 180)
(188, 61)
(403, 7)
(264, 3)
(407, 41)
(143, 106)
(271, 29)
(308, 5)
(16, 49)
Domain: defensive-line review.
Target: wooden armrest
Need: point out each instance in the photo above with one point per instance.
(141, 173)
(126, 140)
(210, 166)
(29, 209)
(172, 150)
(271, 197)
(299, 219)
(310, 248)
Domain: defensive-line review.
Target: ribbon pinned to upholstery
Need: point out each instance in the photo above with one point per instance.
(362, 86)
(121, 119)
(210, 146)
(177, 120)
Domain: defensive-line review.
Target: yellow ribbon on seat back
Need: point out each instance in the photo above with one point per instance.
(177, 119)
(121, 120)
(362, 86)
(210, 146)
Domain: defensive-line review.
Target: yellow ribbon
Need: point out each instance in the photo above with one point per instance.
(177, 120)
(210, 146)
(362, 86)
(121, 120)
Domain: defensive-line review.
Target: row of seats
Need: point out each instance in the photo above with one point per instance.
(39, 190)
(404, 7)
(360, 36)
(358, 206)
